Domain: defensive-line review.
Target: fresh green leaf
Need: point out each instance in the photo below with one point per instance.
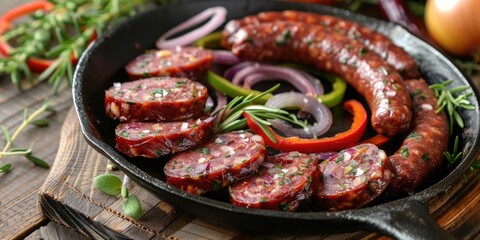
(108, 183)
(132, 207)
(5, 168)
(40, 123)
(37, 161)
(6, 134)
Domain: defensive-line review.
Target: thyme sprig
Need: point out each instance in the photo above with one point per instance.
(446, 99)
(62, 34)
(229, 118)
(28, 119)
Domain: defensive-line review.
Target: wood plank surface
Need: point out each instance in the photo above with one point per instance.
(19, 187)
(68, 197)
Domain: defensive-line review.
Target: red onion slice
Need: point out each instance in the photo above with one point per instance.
(217, 17)
(224, 57)
(232, 71)
(269, 72)
(319, 111)
(221, 101)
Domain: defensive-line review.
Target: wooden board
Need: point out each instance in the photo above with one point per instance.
(19, 187)
(68, 197)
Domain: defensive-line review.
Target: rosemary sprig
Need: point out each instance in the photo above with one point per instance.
(61, 34)
(28, 119)
(454, 156)
(229, 118)
(447, 100)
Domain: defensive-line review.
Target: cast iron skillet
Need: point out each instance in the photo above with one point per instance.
(103, 63)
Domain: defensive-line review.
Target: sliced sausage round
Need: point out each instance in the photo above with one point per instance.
(186, 62)
(282, 183)
(219, 162)
(352, 178)
(366, 71)
(153, 140)
(375, 41)
(422, 150)
(156, 99)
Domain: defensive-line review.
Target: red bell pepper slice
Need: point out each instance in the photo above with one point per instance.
(338, 142)
(35, 64)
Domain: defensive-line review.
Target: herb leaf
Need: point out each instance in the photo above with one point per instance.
(37, 161)
(132, 207)
(447, 100)
(108, 183)
(40, 123)
(5, 167)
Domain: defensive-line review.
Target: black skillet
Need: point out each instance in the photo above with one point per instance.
(406, 218)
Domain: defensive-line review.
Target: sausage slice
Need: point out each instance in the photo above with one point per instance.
(352, 178)
(219, 162)
(153, 140)
(156, 99)
(284, 180)
(186, 62)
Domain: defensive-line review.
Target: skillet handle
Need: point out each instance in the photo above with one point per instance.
(408, 221)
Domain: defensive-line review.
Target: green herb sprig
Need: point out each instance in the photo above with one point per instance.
(112, 185)
(229, 118)
(62, 34)
(447, 100)
(454, 156)
(28, 119)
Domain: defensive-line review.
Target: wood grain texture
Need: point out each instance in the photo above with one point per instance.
(19, 187)
(68, 197)
(54, 231)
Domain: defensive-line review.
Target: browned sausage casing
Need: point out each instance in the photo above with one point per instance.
(365, 70)
(422, 150)
(375, 41)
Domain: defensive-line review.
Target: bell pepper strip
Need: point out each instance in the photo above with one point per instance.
(212, 41)
(334, 97)
(35, 64)
(378, 140)
(338, 142)
(232, 90)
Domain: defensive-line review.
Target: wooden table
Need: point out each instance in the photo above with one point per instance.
(21, 217)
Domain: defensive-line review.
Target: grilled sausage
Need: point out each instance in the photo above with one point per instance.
(282, 183)
(156, 99)
(153, 140)
(365, 70)
(219, 162)
(375, 41)
(352, 178)
(422, 150)
(187, 62)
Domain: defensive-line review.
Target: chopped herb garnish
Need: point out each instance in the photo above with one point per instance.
(425, 157)
(405, 152)
(124, 134)
(340, 157)
(414, 135)
(362, 52)
(204, 150)
(180, 83)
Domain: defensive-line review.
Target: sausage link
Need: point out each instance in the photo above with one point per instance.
(375, 41)
(422, 150)
(365, 70)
